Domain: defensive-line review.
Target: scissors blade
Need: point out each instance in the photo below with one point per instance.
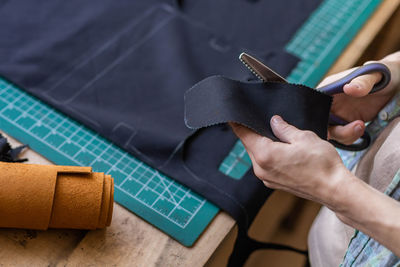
(262, 72)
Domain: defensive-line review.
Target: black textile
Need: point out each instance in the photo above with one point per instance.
(217, 100)
(258, 25)
(8, 154)
(122, 67)
(127, 83)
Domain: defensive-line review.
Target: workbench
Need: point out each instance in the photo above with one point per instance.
(130, 241)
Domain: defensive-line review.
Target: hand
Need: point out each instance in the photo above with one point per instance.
(309, 167)
(302, 164)
(356, 106)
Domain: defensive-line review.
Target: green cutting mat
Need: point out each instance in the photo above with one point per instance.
(158, 199)
(318, 43)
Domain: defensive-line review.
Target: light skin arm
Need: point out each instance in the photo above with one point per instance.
(309, 167)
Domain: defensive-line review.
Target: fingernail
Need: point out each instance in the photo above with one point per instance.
(358, 130)
(276, 119)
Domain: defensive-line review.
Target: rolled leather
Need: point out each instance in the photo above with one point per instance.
(49, 196)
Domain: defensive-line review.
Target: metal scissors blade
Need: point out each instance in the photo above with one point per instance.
(262, 72)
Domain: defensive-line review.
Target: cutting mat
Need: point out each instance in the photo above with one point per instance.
(318, 43)
(158, 199)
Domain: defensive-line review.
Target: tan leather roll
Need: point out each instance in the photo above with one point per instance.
(49, 196)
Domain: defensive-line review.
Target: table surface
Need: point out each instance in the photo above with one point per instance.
(130, 241)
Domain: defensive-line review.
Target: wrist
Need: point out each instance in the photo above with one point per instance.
(336, 194)
(342, 190)
(357, 203)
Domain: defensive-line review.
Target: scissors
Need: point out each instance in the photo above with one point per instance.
(265, 74)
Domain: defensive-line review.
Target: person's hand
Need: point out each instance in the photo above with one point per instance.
(302, 164)
(356, 106)
(309, 167)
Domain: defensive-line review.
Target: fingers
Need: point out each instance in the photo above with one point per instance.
(251, 140)
(257, 146)
(284, 131)
(348, 133)
(334, 77)
(362, 85)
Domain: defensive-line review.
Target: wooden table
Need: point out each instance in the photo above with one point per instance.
(130, 241)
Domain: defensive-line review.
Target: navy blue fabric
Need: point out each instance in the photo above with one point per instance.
(254, 103)
(258, 25)
(127, 83)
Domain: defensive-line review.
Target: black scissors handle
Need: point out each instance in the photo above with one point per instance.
(337, 87)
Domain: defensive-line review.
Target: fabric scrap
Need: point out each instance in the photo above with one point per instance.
(218, 100)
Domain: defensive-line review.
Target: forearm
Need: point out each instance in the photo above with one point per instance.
(370, 211)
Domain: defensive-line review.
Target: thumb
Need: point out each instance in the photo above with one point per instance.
(362, 85)
(284, 131)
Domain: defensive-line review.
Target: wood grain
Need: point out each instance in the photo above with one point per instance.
(129, 241)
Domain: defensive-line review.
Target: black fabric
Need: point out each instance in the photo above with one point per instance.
(244, 246)
(8, 154)
(127, 83)
(258, 25)
(122, 67)
(217, 100)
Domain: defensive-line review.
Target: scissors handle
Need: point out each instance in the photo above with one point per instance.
(337, 86)
(364, 142)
